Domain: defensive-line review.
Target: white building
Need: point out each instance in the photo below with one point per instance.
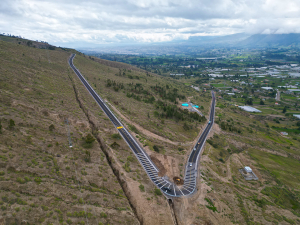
(248, 169)
(249, 109)
(267, 88)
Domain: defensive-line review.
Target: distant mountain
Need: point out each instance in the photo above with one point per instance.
(196, 43)
(271, 40)
(246, 40)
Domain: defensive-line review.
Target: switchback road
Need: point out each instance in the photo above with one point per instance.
(163, 183)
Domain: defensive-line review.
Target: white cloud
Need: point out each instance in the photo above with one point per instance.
(102, 21)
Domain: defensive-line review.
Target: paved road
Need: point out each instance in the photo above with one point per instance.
(163, 183)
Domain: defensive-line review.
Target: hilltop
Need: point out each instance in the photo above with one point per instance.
(98, 180)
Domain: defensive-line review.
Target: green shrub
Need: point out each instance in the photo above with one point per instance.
(155, 148)
(127, 167)
(20, 180)
(103, 215)
(157, 191)
(133, 128)
(142, 188)
(11, 124)
(38, 180)
(130, 158)
(114, 145)
(45, 208)
(89, 139)
(116, 136)
(51, 127)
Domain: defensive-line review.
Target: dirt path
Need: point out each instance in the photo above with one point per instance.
(144, 131)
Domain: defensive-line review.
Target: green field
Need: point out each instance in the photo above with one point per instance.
(284, 169)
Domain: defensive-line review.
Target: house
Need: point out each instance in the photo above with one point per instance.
(247, 169)
(267, 88)
(284, 133)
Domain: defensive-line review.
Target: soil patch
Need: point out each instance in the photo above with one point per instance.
(160, 166)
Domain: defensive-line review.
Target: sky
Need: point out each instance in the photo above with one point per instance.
(94, 22)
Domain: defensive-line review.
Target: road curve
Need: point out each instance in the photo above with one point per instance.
(163, 183)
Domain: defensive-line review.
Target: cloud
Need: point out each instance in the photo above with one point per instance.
(118, 21)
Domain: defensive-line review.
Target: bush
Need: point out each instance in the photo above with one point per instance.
(116, 136)
(133, 128)
(157, 191)
(130, 158)
(180, 149)
(20, 180)
(87, 156)
(115, 145)
(51, 127)
(142, 188)
(103, 215)
(89, 139)
(38, 180)
(127, 167)
(155, 148)
(11, 124)
(45, 208)
(185, 126)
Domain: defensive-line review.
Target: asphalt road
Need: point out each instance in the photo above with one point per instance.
(167, 186)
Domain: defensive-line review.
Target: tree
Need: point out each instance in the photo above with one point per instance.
(249, 101)
(284, 109)
(89, 139)
(87, 156)
(155, 148)
(185, 126)
(51, 127)
(261, 102)
(11, 123)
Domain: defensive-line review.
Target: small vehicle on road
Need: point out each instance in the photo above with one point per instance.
(209, 122)
(166, 189)
(194, 149)
(191, 164)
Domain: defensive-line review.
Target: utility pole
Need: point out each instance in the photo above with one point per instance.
(69, 135)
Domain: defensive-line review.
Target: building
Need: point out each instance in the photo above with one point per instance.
(248, 169)
(248, 174)
(284, 133)
(296, 115)
(249, 109)
(267, 88)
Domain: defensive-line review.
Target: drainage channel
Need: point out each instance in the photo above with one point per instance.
(171, 205)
